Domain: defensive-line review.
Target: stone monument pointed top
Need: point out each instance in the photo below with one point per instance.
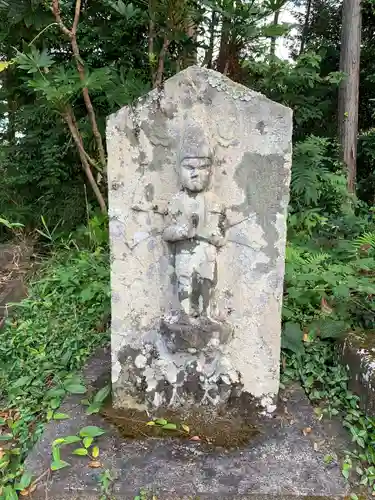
(199, 176)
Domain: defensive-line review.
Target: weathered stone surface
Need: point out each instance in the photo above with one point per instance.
(357, 353)
(198, 191)
(281, 463)
(14, 264)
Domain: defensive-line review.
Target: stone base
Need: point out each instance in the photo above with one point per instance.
(357, 353)
(279, 463)
(155, 376)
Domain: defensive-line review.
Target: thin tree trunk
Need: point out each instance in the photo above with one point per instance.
(11, 100)
(151, 39)
(223, 57)
(72, 33)
(11, 108)
(88, 103)
(69, 118)
(191, 58)
(349, 88)
(208, 57)
(273, 38)
(305, 30)
(160, 71)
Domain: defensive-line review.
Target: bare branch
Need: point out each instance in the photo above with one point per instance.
(159, 74)
(76, 17)
(56, 12)
(69, 118)
(81, 71)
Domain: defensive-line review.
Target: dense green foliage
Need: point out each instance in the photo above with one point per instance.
(125, 49)
(325, 381)
(53, 331)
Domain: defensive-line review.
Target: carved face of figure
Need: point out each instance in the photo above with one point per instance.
(195, 173)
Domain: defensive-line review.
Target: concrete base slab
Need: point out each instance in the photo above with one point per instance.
(282, 462)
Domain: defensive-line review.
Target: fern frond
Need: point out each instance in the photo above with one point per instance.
(293, 255)
(317, 258)
(308, 170)
(365, 240)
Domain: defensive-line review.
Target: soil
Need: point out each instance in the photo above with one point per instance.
(230, 429)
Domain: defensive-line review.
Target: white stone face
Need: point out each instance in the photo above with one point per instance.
(198, 188)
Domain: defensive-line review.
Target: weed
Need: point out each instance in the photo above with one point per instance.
(106, 479)
(50, 336)
(87, 447)
(325, 381)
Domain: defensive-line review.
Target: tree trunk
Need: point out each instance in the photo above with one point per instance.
(305, 30)
(223, 57)
(70, 120)
(273, 38)
(208, 58)
(349, 88)
(191, 58)
(160, 71)
(151, 40)
(9, 84)
(72, 34)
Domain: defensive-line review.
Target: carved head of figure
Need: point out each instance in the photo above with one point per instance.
(195, 159)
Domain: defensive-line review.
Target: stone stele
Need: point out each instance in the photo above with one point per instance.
(199, 176)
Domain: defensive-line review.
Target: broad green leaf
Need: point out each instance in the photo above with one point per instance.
(328, 459)
(170, 426)
(56, 453)
(57, 465)
(60, 416)
(161, 421)
(95, 451)
(9, 493)
(55, 393)
(345, 473)
(58, 441)
(71, 439)
(87, 441)
(55, 403)
(81, 452)
(21, 382)
(91, 431)
(275, 29)
(93, 408)
(185, 427)
(75, 388)
(101, 395)
(33, 61)
(6, 437)
(24, 482)
(292, 337)
(4, 463)
(151, 423)
(2, 421)
(88, 293)
(4, 65)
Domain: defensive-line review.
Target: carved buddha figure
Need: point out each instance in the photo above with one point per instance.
(195, 228)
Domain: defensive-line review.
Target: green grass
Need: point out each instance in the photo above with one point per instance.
(52, 333)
